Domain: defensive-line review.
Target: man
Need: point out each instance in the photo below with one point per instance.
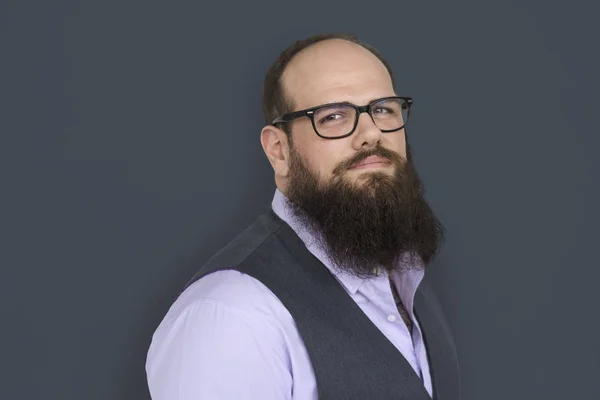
(321, 297)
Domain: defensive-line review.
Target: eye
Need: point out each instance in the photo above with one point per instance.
(330, 117)
(334, 115)
(382, 110)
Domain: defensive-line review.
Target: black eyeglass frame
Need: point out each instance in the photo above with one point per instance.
(310, 112)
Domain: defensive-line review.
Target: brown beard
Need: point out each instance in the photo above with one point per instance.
(381, 220)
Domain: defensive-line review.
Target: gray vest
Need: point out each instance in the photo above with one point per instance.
(351, 358)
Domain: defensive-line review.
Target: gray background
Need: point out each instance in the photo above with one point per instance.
(129, 153)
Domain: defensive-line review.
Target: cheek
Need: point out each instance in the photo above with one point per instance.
(320, 163)
(327, 157)
(322, 155)
(397, 143)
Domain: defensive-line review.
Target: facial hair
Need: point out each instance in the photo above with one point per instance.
(380, 220)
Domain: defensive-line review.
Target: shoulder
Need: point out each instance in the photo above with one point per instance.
(225, 328)
(228, 304)
(234, 291)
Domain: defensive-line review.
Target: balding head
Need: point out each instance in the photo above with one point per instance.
(275, 103)
(335, 70)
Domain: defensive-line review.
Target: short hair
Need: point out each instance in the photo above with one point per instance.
(274, 101)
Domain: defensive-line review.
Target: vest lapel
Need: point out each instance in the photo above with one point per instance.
(441, 353)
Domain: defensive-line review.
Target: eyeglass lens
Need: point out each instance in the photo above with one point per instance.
(339, 120)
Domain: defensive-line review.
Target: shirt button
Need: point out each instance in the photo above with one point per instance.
(391, 318)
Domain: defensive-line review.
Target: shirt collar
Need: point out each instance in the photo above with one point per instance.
(349, 281)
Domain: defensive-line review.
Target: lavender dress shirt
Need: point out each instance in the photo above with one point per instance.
(229, 337)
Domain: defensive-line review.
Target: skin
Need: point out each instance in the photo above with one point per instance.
(334, 70)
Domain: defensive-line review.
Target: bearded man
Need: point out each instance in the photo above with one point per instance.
(323, 295)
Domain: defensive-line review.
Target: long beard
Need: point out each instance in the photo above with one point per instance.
(381, 220)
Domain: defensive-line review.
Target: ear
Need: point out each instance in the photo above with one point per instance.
(275, 144)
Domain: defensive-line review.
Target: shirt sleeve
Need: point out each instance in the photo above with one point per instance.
(210, 350)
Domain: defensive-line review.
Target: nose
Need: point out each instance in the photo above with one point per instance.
(367, 133)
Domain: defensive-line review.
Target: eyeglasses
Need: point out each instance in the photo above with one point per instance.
(338, 120)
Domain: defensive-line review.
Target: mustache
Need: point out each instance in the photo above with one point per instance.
(395, 158)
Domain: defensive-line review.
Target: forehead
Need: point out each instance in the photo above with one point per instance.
(335, 70)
